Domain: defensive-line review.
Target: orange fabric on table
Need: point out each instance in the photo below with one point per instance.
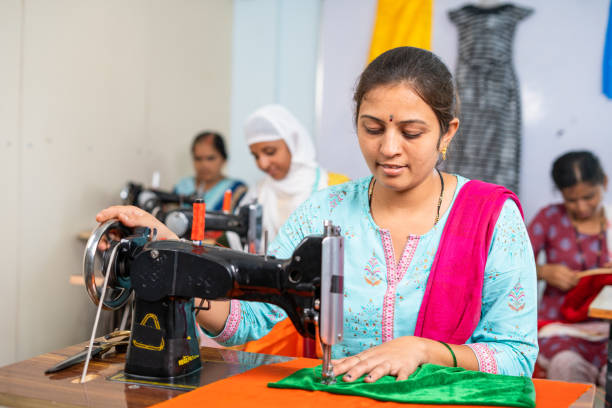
(251, 388)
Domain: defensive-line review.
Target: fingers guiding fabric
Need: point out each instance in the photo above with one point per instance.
(374, 366)
(379, 371)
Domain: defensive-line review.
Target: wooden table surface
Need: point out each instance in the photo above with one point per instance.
(24, 384)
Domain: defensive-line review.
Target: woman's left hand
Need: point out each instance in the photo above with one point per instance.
(399, 357)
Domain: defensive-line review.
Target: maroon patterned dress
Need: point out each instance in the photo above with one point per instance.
(552, 231)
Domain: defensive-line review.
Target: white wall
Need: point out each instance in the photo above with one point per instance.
(346, 34)
(558, 60)
(94, 93)
(10, 173)
(274, 61)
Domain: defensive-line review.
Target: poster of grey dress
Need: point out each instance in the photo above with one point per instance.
(488, 144)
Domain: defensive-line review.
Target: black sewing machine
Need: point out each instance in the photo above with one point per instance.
(151, 199)
(246, 223)
(166, 276)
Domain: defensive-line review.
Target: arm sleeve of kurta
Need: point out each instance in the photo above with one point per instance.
(249, 321)
(505, 340)
(304, 221)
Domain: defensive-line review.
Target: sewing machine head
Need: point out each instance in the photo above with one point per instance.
(166, 276)
(150, 199)
(247, 222)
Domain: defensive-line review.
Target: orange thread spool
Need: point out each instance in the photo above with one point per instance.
(227, 201)
(199, 222)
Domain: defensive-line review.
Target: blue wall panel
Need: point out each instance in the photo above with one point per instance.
(273, 61)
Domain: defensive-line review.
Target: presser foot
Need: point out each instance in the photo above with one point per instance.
(327, 370)
(328, 378)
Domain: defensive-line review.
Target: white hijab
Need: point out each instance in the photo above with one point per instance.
(274, 122)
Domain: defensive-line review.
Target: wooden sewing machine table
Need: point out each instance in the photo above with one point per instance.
(24, 384)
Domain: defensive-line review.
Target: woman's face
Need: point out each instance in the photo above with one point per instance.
(398, 135)
(207, 161)
(272, 157)
(583, 200)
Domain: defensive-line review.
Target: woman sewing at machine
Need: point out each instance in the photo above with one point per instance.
(283, 149)
(572, 235)
(209, 157)
(438, 269)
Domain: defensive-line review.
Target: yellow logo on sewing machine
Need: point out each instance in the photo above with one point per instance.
(148, 346)
(187, 359)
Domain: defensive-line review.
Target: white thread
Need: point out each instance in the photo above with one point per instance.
(100, 302)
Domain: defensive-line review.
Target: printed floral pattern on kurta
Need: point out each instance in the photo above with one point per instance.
(516, 298)
(372, 272)
(510, 272)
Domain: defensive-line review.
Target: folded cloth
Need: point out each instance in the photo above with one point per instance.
(575, 307)
(429, 384)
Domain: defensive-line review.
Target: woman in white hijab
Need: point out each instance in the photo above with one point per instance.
(283, 149)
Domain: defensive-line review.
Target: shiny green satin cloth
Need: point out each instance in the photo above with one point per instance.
(429, 384)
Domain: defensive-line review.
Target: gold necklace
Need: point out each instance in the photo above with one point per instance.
(373, 182)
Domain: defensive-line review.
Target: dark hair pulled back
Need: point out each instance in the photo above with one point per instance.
(422, 70)
(575, 167)
(218, 143)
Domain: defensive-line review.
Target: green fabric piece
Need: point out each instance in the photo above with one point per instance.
(429, 384)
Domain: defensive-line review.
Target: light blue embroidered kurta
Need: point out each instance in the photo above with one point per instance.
(214, 196)
(505, 340)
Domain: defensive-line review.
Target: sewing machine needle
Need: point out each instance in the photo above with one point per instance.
(101, 301)
(327, 370)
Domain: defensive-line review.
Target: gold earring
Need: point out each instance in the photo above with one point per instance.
(444, 153)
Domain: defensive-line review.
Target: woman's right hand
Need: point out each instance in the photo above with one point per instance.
(559, 276)
(132, 216)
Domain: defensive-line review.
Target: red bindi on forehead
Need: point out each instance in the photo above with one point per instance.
(390, 118)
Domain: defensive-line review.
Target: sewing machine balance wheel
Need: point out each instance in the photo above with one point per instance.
(100, 258)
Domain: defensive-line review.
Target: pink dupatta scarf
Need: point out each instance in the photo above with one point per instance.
(451, 306)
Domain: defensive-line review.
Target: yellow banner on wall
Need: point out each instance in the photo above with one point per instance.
(401, 23)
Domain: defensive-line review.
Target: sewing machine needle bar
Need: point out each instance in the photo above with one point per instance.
(327, 370)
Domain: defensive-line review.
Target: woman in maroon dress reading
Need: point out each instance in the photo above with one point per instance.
(572, 235)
